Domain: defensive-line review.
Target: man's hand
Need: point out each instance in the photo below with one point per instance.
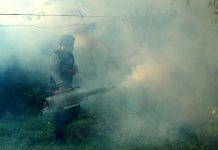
(73, 70)
(61, 89)
(70, 72)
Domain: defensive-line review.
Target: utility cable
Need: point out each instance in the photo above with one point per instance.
(55, 15)
(63, 26)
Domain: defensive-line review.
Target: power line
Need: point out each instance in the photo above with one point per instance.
(36, 26)
(63, 26)
(54, 15)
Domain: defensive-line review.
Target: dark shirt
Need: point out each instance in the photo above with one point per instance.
(62, 68)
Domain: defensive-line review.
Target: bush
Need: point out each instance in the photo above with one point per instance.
(25, 131)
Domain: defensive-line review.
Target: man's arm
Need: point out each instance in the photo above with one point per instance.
(55, 69)
(74, 68)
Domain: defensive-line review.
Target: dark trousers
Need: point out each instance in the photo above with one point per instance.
(64, 118)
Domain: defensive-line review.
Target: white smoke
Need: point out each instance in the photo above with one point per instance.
(162, 55)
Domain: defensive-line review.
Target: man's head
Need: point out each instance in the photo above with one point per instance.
(67, 42)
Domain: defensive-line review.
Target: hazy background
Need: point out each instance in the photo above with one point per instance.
(161, 54)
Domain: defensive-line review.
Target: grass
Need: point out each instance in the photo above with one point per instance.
(87, 132)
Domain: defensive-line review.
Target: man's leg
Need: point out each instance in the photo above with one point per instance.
(59, 125)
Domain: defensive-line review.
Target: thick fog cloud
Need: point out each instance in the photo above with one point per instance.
(161, 54)
(164, 59)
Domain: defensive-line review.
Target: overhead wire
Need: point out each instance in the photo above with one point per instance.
(36, 26)
(53, 15)
(56, 15)
(61, 26)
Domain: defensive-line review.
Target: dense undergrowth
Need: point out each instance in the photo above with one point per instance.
(90, 131)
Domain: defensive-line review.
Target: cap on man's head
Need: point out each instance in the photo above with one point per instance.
(66, 40)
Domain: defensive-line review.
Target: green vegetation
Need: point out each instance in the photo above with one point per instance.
(37, 133)
(91, 130)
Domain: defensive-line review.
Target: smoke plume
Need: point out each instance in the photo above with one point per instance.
(161, 55)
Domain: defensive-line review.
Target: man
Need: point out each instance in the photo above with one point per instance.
(62, 64)
(62, 70)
